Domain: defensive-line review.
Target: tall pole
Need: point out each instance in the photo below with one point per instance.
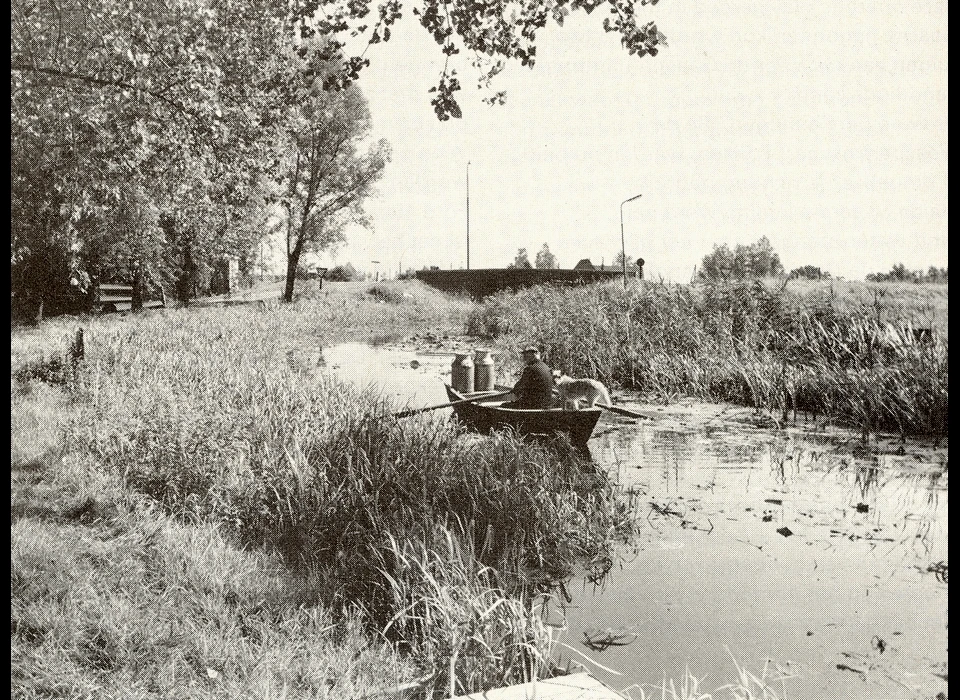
(623, 244)
(468, 214)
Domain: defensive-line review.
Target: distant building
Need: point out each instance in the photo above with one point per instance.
(633, 270)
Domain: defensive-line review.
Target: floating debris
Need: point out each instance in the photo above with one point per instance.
(940, 570)
(785, 531)
(599, 640)
(844, 667)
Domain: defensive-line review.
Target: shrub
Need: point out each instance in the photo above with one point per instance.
(388, 293)
(342, 273)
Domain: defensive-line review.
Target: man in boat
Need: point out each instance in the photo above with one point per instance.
(535, 386)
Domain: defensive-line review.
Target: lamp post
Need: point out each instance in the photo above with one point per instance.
(623, 244)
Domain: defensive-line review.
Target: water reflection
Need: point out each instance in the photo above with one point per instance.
(745, 523)
(797, 545)
(811, 477)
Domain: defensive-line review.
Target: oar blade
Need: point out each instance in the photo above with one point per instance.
(625, 412)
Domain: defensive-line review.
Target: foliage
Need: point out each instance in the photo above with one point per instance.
(175, 117)
(521, 261)
(342, 273)
(899, 273)
(809, 272)
(745, 261)
(389, 293)
(137, 136)
(203, 412)
(326, 172)
(546, 260)
(112, 598)
(491, 33)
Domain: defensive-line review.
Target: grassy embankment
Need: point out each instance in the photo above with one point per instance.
(834, 350)
(193, 516)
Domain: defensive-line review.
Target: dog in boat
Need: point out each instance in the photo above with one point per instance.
(580, 393)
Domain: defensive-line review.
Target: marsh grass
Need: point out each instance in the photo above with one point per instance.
(192, 426)
(457, 619)
(854, 361)
(747, 686)
(111, 598)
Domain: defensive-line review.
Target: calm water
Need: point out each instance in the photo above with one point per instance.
(793, 550)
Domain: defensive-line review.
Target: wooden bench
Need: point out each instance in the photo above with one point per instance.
(119, 297)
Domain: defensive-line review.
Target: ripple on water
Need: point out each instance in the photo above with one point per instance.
(712, 571)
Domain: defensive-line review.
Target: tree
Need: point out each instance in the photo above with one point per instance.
(521, 262)
(809, 272)
(545, 260)
(329, 171)
(763, 261)
(900, 273)
(490, 32)
(123, 107)
(754, 260)
(618, 260)
(179, 106)
(342, 273)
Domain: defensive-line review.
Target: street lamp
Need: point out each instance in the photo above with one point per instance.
(623, 245)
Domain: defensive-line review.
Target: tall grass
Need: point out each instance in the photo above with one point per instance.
(110, 598)
(439, 541)
(744, 342)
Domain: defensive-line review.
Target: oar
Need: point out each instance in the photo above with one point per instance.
(487, 397)
(624, 411)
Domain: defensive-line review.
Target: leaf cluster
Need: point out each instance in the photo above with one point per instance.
(491, 31)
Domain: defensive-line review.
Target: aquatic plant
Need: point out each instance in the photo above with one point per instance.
(748, 686)
(744, 342)
(200, 412)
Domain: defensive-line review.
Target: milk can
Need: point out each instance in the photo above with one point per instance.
(461, 373)
(483, 372)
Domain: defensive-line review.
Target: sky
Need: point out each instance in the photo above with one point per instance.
(822, 126)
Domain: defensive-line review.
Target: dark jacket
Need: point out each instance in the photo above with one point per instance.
(535, 387)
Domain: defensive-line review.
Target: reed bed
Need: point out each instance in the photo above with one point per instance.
(440, 543)
(858, 363)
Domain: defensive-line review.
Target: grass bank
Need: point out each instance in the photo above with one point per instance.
(194, 517)
(846, 354)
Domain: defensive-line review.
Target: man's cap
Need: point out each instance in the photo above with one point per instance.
(530, 348)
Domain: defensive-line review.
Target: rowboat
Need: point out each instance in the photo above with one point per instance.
(486, 416)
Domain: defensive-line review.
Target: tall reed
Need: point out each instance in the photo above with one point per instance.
(743, 342)
(201, 413)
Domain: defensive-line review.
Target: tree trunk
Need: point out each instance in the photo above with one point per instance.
(293, 260)
(186, 275)
(136, 301)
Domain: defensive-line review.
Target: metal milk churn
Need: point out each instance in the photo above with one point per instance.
(483, 371)
(461, 373)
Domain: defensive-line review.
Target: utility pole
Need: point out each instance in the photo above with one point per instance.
(468, 214)
(623, 245)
